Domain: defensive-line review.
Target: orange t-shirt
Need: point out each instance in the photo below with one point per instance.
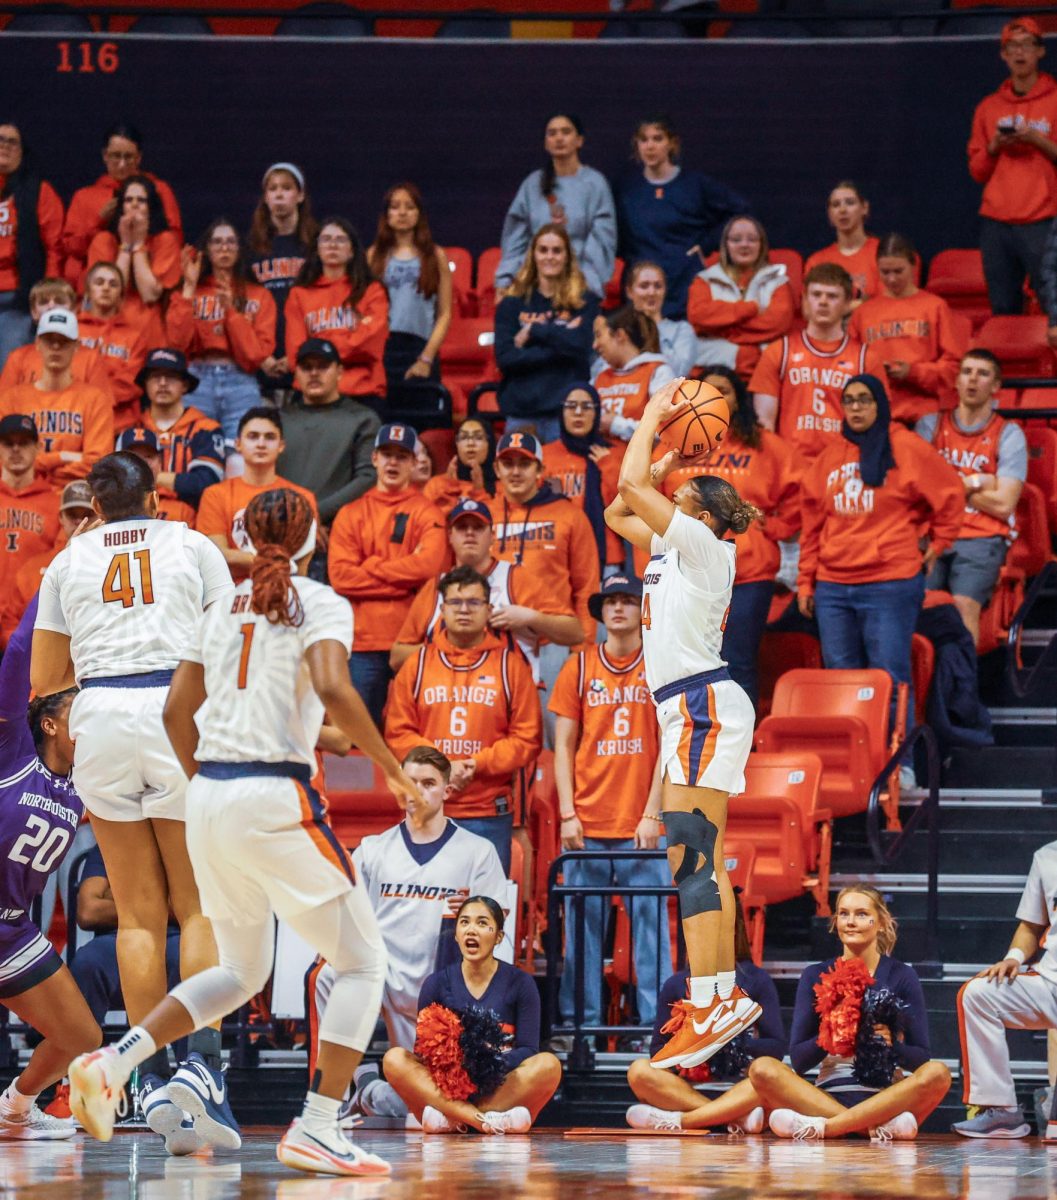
(616, 755)
(918, 330)
(79, 419)
(555, 541)
(445, 492)
(83, 220)
(858, 534)
(163, 251)
(568, 472)
(480, 703)
(384, 546)
(205, 326)
(808, 378)
(121, 343)
(358, 333)
(222, 511)
(767, 475)
(49, 222)
(861, 266)
(24, 365)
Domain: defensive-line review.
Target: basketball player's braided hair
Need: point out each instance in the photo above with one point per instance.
(277, 522)
(717, 496)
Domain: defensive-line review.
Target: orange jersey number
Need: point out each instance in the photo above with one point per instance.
(118, 587)
(646, 611)
(244, 659)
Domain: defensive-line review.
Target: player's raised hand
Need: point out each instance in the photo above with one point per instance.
(664, 401)
(87, 524)
(663, 467)
(403, 788)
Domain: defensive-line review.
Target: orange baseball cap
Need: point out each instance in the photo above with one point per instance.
(1023, 24)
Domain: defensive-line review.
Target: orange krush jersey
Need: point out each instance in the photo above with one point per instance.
(919, 330)
(206, 326)
(553, 539)
(617, 752)
(568, 472)
(48, 216)
(222, 511)
(78, 419)
(481, 704)
(766, 475)
(808, 378)
(24, 365)
(861, 266)
(383, 547)
(359, 333)
(858, 534)
(973, 454)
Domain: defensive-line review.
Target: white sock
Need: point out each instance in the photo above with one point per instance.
(702, 990)
(725, 984)
(320, 1113)
(135, 1047)
(16, 1102)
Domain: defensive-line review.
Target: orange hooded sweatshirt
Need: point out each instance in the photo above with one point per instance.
(479, 703)
(121, 343)
(359, 333)
(383, 547)
(205, 326)
(1020, 182)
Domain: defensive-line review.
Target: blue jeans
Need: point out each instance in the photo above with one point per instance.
(650, 943)
(370, 675)
(870, 625)
(16, 326)
(749, 605)
(499, 830)
(224, 393)
(548, 429)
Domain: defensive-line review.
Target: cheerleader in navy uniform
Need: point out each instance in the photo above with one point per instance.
(477, 1062)
(862, 1016)
(719, 1092)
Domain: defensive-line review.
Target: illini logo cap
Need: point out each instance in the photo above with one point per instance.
(525, 444)
(18, 425)
(397, 435)
(470, 508)
(138, 439)
(58, 320)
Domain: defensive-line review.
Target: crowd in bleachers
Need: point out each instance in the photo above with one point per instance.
(459, 433)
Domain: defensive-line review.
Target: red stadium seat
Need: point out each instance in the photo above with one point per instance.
(842, 716)
(614, 296)
(1020, 345)
(997, 617)
(1042, 467)
(922, 664)
(1034, 399)
(358, 802)
(440, 443)
(544, 832)
(781, 652)
(461, 263)
(1032, 549)
(958, 276)
(780, 814)
(466, 357)
(486, 269)
(739, 857)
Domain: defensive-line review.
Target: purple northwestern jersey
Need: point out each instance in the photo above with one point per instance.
(39, 811)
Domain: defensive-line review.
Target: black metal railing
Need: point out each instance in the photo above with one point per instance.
(887, 849)
(581, 1057)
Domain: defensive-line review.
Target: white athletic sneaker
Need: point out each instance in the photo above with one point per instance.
(901, 1128)
(785, 1123)
(434, 1121)
(514, 1120)
(97, 1089)
(326, 1154)
(646, 1116)
(751, 1123)
(34, 1125)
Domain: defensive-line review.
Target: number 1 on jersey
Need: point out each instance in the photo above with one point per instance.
(118, 587)
(244, 659)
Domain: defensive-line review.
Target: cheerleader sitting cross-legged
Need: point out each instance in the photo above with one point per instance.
(862, 1016)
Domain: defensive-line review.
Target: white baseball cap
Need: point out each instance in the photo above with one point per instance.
(58, 320)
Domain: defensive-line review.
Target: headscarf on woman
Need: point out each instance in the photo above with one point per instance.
(875, 447)
(594, 504)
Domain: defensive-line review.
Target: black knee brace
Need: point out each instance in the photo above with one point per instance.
(696, 876)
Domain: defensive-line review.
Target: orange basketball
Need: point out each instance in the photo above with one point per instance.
(699, 424)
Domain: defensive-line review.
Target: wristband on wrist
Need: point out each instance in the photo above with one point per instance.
(1017, 953)
(568, 816)
(423, 359)
(654, 817)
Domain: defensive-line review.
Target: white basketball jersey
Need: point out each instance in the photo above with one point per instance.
(499, 597)
(260, 703)
(1038, 905)
(129, 594)
(686, 594)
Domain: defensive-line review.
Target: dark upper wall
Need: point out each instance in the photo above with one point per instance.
(780, 121)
